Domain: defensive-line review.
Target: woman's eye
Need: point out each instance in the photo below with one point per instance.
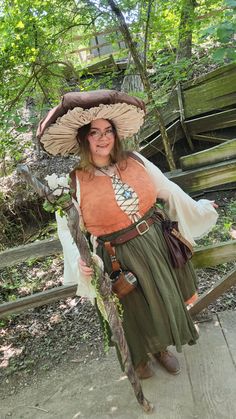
(109, 131)
(94, 133)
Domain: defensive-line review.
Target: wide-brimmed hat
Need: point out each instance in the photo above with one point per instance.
(58, 130)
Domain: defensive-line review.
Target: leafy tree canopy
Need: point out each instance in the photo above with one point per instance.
(38, 36)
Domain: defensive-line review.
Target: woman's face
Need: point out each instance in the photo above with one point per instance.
(101, 138)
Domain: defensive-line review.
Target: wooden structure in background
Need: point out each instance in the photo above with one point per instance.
(209, 105)
(101, 45)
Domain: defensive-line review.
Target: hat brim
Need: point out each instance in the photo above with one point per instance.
(60, 137)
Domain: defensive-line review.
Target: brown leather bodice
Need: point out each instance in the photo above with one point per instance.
(100, 211)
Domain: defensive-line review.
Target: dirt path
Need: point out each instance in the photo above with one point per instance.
(97, 389)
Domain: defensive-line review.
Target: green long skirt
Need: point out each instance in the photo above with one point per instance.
(155, 315)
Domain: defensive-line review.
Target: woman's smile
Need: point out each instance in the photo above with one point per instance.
(101, 141)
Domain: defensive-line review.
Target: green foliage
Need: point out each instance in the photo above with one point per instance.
(20, 281)
(221, 33)
(35, 39)
(12, 144)
(58, 204)
(221, 231)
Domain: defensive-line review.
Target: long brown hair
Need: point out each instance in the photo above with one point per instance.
(118, 155)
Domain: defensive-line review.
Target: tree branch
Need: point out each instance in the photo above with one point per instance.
(146, 83)
(146, 34)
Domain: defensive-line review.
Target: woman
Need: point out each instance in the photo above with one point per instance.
(116, 194)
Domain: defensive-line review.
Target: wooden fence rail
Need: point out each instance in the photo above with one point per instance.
(203, 257)
(36, 250)
(216, 291)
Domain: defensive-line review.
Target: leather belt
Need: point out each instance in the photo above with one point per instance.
(138, 230)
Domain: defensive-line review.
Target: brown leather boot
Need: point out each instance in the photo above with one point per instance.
(144, 371)
(168, 361)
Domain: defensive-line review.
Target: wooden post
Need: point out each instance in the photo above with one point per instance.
(182, 117)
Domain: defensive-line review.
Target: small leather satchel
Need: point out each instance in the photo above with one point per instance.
(123, 282)
(180, 249)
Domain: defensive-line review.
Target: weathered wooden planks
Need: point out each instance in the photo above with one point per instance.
(217, 91)
(46, 297)
(203, 256)
(222, 152)
(153, 146)
(214, 92)
(205, 177)
(218, 120)
(151, 127)
(159, 388)
(150, 138)
(207, 379)
(101, 66)
(212, 374)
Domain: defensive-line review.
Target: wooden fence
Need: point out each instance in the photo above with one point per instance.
(203, 257)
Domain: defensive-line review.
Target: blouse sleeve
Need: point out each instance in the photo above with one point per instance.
(72, 274)
(195, 218)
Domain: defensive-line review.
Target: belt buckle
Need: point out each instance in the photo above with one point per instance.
(144, 222)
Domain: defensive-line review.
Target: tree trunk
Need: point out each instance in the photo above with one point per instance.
(147, 86)
(186, 29)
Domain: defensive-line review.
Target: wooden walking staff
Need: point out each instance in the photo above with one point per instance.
(104, 284)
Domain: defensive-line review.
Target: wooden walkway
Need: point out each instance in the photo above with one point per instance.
(205, 389)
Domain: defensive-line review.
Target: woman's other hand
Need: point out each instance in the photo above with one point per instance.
(84, 269)
(213, 203)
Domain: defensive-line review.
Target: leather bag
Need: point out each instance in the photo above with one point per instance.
(123, 282)
(180, 249)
